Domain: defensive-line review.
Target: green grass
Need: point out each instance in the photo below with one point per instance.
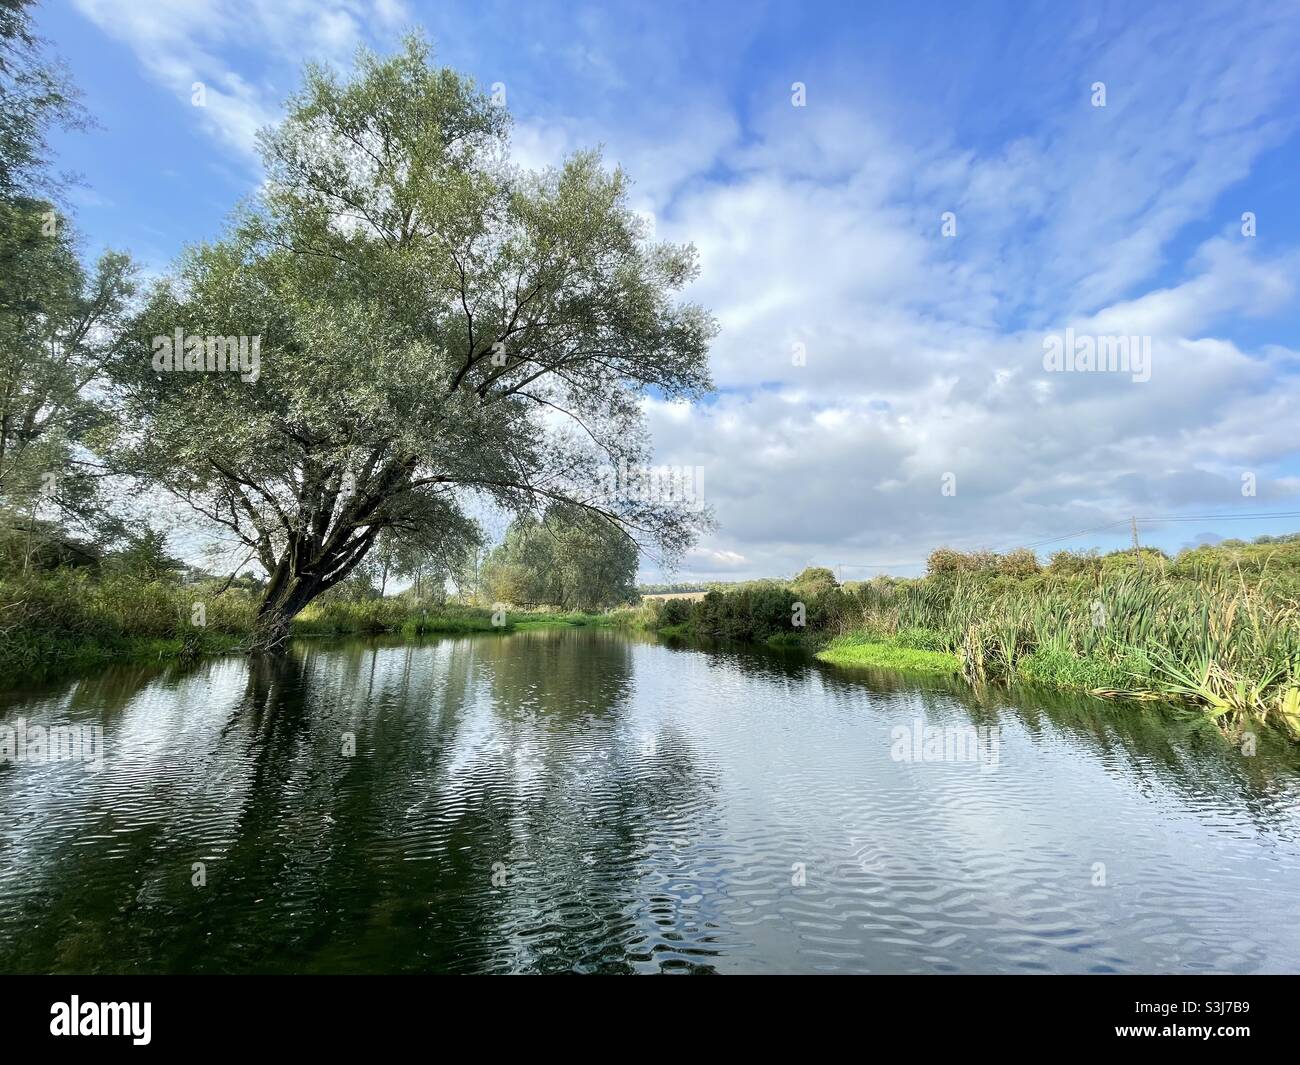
(1061, 669)
(370, 616)
(857, 649)
(642, 618)
(1225, 639)
(786, 639)
(435, 623)
(65, 622)
(569, 620)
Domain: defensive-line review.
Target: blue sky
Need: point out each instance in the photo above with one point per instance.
(820, 226)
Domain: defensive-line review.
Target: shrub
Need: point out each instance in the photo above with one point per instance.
(1019, 563)
(1075, 563)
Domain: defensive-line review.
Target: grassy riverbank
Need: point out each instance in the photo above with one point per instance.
(1218, 626)
(860, 649)
(61, 623)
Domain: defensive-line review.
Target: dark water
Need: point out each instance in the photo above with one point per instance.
(584, 800)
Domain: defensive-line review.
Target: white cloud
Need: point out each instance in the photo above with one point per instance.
(821, 227)
(183, 42)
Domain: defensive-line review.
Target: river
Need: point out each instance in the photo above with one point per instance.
(588, 800)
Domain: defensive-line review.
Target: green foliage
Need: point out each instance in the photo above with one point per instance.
(945, 562)
(32, 544)
(814, 581)
(59, 323)
(63, 621)
(1059, 668)
(644, 618)
(921, 639)
(35, 97)
(1075, 564)
(1019, 563)
(1146, 559)
(857, 650)
(143, 558)
(1219, 626)
(69, 619)
(434, 327)
(420, 555)
(339, 617)
(572, 558)
(747, 614)
(1136, 626)
(674, 612)
(555, 619)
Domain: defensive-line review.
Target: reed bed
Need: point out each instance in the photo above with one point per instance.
(1219, 640)
(1217, 626)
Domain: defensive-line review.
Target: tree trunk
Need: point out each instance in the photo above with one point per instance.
(273, 626)
(271, 633)
(294, 584)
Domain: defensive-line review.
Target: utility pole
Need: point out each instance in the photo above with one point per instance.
(1137, 553)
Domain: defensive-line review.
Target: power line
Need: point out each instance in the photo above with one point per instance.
(875, 565)
(1221, 517)
(1073, 535)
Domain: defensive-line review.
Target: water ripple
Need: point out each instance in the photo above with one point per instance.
(591, 802)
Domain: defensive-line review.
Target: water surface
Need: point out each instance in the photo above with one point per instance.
(591, 801)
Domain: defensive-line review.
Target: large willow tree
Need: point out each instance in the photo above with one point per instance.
(434, 323)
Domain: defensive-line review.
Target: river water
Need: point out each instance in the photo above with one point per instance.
(588, 800)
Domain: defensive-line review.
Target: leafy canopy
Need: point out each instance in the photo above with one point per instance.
(434, 323)
(570, 558)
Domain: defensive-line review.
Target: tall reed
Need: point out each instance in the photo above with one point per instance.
(1220, 640)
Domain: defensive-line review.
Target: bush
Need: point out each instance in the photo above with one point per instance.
(66, 618)
(1145, 560)
(944, 561)
(674, 611)
(1075, 563)
(1019, 563)
(814, 581)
